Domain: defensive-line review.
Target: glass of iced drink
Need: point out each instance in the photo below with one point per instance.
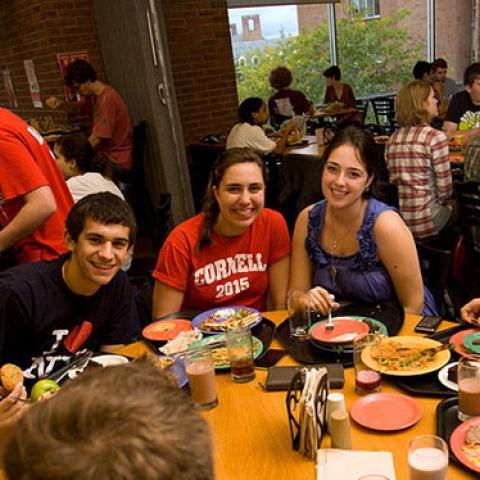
(201, 377)
(240, 354)
(468, 388)
(427, 458)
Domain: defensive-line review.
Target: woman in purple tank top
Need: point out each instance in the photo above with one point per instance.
(353, 246)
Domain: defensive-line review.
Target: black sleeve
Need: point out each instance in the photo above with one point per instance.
(123, 325)
(456, 109)
(14, 319)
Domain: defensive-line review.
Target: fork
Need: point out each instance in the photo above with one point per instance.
(329, 326)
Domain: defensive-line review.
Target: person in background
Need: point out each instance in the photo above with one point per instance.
(112, 128)
(286, 103)
(417, 160)
(423, 70)
(350, 244)
(234, 253)
(85, 170)
(128, 421)
(446, 84)
(34, 199)
(248, 133)
(51, 310)
(464, 109)
(338, 91)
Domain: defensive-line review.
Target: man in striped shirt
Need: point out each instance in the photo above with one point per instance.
(417, 160)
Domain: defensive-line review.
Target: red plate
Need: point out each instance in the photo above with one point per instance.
(457, 340)
(342, 327)
(457, 440)
(165, 330)
(386, 411)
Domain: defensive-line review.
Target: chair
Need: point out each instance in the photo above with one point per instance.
(468, 196)
(384, 110)
(362, 107)
(436, 266)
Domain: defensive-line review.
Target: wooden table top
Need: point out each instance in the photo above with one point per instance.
(251, 434)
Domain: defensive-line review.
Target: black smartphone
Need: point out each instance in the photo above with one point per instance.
(270, 359)
(428, 324)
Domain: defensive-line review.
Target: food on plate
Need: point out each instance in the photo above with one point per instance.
(393, 355)
(10, 375)
(331, 107)
(220, 356)
(44, 389)
(471, 446)
(161, 327)
(163, 362)
(228, 318)
(181, 342)
(294, 136)
(452, 373)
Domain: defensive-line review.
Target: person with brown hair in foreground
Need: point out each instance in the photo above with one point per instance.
(125, 422)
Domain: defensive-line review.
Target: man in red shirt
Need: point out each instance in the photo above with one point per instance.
(34, 198)
(112, 128)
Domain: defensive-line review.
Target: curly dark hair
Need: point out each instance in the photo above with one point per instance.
(78, 149)
(79, 71)
(105, 208)
(280, 77)
(211, 208)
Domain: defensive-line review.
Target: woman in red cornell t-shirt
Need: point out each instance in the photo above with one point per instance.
(233, 253)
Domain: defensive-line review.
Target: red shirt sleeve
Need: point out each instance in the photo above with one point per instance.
(280, 238)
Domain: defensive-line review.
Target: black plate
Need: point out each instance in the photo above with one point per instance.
(447, 422)
(389, 313)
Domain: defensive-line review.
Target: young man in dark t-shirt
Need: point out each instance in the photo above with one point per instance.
(51, 310)
(462, 110)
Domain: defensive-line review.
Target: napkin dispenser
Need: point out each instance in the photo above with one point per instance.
(306, 406)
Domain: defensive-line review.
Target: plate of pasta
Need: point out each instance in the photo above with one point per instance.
(406, 356)
(465, 443)
(220, 355)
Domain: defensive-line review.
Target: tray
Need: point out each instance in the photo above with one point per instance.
(389, 313)
(447, 422)
(264, 331)
(429, 385)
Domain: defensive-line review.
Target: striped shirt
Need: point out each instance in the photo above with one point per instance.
(417, 162)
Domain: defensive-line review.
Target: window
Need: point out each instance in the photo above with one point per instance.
(370, 8)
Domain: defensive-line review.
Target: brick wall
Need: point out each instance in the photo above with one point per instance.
(202, 65)
(38, 30)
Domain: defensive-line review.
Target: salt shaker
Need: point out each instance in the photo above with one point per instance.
(340, 430)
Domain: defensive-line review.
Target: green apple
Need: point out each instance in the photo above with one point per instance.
(43, 387)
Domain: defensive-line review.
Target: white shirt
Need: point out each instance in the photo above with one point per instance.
(91, 182)
(244, 135)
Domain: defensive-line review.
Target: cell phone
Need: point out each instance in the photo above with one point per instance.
(271, 358)
(428, 324)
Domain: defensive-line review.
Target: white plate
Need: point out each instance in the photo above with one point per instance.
(443, 377)
(107, 360)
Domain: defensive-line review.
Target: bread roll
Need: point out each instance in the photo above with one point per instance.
(10, 375)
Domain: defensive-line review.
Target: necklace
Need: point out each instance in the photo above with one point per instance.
(335, 241)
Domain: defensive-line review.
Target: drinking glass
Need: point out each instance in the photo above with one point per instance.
(367, 380)
(200, 370)
(427, 458)
(299, 318)
(468, 388)
(240, 354)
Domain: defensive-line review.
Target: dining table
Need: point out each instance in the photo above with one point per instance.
(250, 427)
